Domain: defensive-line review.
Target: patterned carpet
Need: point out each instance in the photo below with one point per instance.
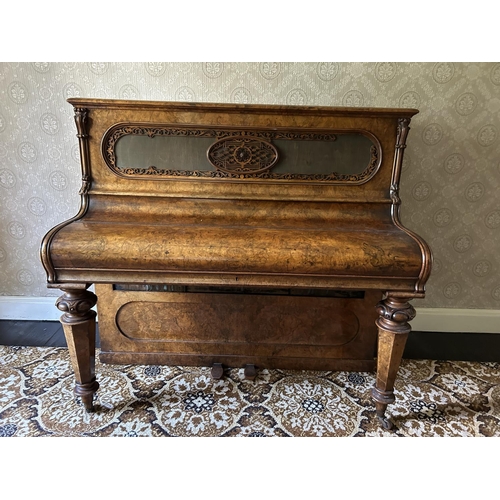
(434, 398)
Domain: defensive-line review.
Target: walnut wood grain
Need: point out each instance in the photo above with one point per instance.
(245, 328)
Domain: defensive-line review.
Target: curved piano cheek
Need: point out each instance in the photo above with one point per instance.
(243, 236)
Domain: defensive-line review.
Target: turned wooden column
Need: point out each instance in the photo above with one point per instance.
(393, 330)
(78, 323)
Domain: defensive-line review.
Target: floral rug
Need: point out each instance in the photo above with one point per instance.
(433, 398)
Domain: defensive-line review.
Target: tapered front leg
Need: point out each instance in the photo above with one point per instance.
(393, 330)
(78, 323)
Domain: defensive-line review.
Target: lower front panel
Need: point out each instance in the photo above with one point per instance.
(289, 329)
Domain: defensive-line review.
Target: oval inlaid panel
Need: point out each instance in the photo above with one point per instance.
(240, 319)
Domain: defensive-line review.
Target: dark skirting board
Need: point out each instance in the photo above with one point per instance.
(420, 345)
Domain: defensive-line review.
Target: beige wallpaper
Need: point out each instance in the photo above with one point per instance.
(451, 176)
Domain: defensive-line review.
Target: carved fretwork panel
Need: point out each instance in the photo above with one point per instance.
(162, 151)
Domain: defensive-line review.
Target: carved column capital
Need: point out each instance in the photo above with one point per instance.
(76, 305)
(394, 315)
(402, 132)
(81, 115)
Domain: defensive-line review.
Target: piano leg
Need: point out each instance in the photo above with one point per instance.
(78, 323)
(393, 330)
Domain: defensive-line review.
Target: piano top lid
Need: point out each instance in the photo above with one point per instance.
(239, 108)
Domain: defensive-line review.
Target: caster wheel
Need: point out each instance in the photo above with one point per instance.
(385, 423)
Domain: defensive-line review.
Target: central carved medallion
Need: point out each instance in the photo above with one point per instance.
(242, 154)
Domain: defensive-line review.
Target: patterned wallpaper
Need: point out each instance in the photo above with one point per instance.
(451, 176)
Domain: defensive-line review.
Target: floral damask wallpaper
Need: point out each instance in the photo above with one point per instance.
(451, 176)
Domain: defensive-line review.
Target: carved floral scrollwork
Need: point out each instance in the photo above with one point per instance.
(76, 305)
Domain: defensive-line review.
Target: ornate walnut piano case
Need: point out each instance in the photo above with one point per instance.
(238, 235)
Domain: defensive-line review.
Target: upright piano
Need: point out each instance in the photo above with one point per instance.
(232, 235)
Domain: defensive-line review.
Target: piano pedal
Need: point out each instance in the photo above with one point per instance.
(250, 372)
(217, 371)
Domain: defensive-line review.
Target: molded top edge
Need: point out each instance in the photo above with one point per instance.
(238, 108)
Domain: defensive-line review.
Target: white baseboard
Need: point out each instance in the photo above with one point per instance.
(427, 319)
(456, 320)
(29, 308)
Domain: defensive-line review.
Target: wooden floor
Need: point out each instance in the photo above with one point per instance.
(420, 345)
